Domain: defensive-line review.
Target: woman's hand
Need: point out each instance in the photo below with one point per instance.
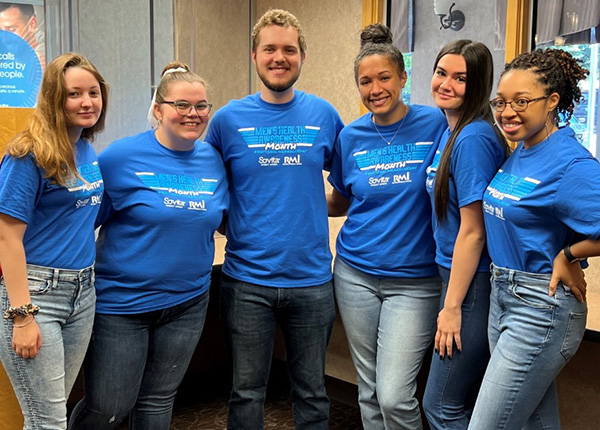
(27, 339)
(448, 332)
(570, 274)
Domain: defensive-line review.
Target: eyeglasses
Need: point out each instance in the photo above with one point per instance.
(517, 105)
(185, 108)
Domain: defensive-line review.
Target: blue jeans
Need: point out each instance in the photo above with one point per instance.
(66, 299)
(250, 316)
(135, 364)
(454, 382)
(532, 337)
(389, 323)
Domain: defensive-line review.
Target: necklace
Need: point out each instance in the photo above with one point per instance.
(389, 142)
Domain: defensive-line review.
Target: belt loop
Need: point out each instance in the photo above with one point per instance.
(55, 276)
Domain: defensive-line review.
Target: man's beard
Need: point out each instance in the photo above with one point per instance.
(281, 86)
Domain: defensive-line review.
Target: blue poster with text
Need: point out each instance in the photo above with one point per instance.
(20, 72)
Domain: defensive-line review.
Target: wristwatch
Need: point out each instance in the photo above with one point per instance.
(570, 257)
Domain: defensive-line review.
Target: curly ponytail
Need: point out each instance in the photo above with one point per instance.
(558, 72)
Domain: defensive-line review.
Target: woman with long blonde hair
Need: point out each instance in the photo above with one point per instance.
(50, 193)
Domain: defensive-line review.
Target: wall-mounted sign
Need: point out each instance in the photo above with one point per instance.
(22, 53)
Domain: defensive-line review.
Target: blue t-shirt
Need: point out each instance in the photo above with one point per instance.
(388, 229)
(159, 215)
(60, 220)
(476, 156)
(277, 227)
(542, 199)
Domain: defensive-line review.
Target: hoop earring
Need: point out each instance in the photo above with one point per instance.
(552, 124)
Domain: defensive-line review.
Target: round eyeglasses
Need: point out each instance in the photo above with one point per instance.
(517, 105)
(185, 108)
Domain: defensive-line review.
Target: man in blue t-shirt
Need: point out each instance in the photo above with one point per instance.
(277, 268)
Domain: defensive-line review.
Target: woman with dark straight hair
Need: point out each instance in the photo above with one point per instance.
(469, 154)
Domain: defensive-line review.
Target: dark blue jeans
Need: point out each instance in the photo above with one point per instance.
(135, 364)
(250, 316)
(454, 382)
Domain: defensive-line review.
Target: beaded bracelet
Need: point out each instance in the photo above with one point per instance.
(21, 311)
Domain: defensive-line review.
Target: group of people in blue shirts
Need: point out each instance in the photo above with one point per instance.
(450, 238)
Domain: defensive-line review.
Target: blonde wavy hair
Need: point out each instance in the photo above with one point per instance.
(46, 136)
(281, 18)
(175, 71)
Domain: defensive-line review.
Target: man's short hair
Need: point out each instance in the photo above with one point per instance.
(282, 18)
(26, 9)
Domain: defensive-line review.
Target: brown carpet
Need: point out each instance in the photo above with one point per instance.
(201, 402)
(278, 416)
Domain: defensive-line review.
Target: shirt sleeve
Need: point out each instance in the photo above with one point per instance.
(475, 160)
(106, 210)
(577, 202)
(336, 174)
(329, 153)
(21, 185)
(213, 135)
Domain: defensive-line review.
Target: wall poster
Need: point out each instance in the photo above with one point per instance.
(22, 52)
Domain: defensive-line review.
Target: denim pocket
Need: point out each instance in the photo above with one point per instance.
(38, 286)
(533, 297)
(573, 334)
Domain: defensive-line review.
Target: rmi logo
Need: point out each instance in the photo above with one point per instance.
(402, 178)
(197, 206)
(292, 161)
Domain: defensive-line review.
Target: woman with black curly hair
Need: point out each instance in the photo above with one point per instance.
(542, 215)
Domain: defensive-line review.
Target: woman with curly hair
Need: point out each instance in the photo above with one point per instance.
(542, 215)
(50, 194)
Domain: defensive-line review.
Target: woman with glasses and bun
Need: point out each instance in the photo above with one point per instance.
(165, 195)
(542, 215)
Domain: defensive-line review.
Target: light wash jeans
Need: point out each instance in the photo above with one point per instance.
(135, 365)
(532, 337)
(66, 299)
(454, 382)
(250, 316)
(390, 324)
